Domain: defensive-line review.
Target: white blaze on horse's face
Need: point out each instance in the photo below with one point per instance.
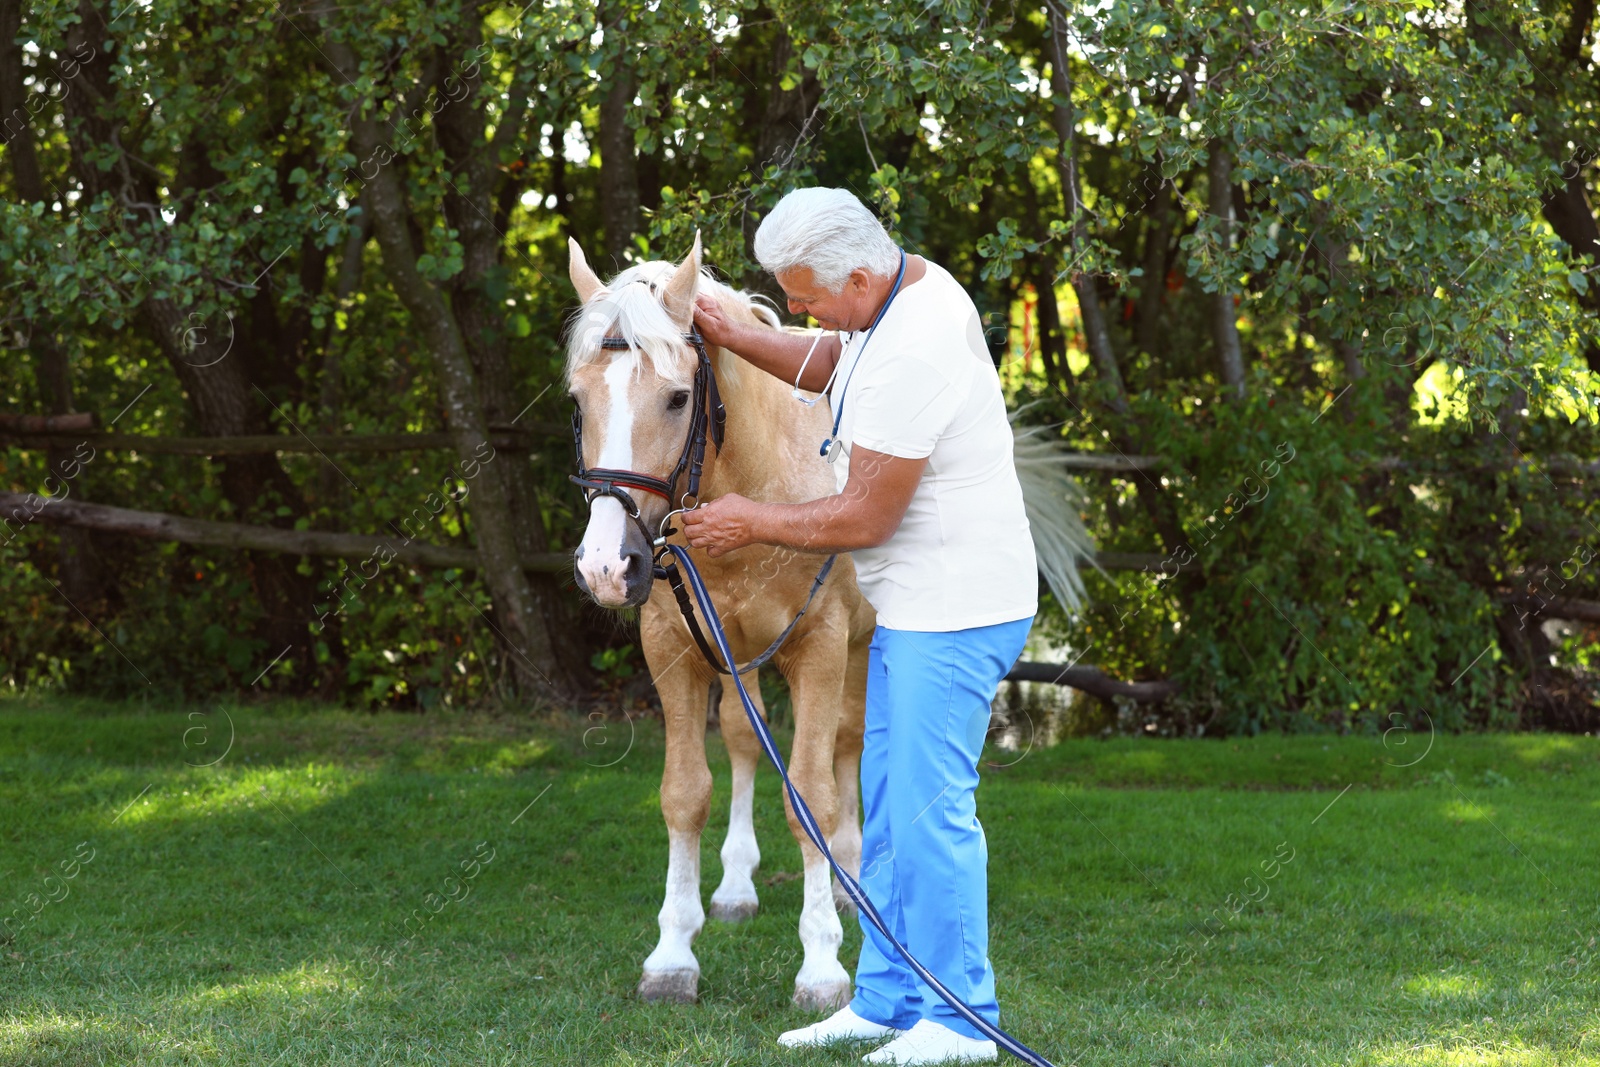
(633, 420)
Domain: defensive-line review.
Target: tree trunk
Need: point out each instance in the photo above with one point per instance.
(1126, 432)
(1566, 208)
(15, 132)
(1348, 349)
(82, 578)
(790, 112)
(1052, 336)
(330, 379)
(1579, 17)
(220, 391)
(1224, 311)
(1095, 335)
(558, 177)
(789, 119)
(1157, 238)
(619, 171)
(461, 128)
(520, 622)
(227, 404)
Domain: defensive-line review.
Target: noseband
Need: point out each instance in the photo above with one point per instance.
(708, 418)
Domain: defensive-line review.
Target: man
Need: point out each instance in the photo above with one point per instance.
(930, 509)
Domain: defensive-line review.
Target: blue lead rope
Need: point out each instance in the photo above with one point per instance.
(803, 813)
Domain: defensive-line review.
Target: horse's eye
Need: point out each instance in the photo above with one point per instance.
(679, 399)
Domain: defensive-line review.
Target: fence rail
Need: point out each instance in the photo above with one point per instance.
(1094, 681)
(47, 431)
(17, 510)
(343, 444)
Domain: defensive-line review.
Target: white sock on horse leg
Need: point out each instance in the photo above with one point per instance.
(672, 972)
(822, 982)
(735, 898)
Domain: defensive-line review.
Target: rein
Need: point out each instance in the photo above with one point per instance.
(808, 823)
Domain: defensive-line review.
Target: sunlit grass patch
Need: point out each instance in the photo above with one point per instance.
(1470, 1054)
(1447, 987)
(515, 757)
(54, 1037)
(305, 982)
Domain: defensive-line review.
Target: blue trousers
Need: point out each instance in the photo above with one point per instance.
(923, 854)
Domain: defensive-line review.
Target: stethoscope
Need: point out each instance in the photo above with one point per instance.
(833, 446)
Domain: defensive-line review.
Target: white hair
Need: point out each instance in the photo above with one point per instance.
(829, 231)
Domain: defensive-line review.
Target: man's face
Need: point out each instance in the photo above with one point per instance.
(845, 310)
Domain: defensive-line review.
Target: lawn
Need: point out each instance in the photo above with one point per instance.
(1282, 901)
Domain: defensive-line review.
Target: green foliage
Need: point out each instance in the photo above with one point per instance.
(614, 661)
(1390, 249)
(1315, 592)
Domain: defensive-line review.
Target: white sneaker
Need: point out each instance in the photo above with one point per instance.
(842, 1025)
(929, 1042)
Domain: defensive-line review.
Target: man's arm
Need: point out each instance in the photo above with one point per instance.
(777, 352)
(865, 515)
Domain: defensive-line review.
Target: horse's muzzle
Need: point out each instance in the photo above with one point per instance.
(623, 581)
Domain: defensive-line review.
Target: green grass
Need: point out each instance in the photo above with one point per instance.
(248, 912)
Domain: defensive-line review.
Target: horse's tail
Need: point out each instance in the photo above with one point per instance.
(1053, 499)
(765, 312)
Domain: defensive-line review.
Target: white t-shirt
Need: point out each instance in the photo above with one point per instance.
(962, 556)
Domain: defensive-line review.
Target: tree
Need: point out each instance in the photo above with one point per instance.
(1330, 264)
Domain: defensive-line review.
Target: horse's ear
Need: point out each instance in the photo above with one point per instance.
(583, 278)
(678, 297)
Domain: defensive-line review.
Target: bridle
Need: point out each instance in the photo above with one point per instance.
(708, 418)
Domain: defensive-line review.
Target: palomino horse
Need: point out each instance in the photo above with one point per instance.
(635, 398)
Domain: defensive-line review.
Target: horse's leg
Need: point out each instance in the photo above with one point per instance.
(816, 682)
(735, 898)
(846, 842)
(671, 972)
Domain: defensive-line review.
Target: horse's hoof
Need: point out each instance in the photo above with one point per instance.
(735, 911)
(824, 996)
(671, 987)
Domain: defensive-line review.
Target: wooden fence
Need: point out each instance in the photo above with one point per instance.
(56, 431)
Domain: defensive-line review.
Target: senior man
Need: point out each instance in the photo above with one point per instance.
(930, 509)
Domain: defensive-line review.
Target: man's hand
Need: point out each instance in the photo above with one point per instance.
(726, 523)
(865, 515)
(714, 326)
(780, 353)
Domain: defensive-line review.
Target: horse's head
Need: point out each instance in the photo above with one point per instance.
(633, 407)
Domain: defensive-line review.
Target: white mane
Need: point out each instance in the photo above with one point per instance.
(629, 307)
